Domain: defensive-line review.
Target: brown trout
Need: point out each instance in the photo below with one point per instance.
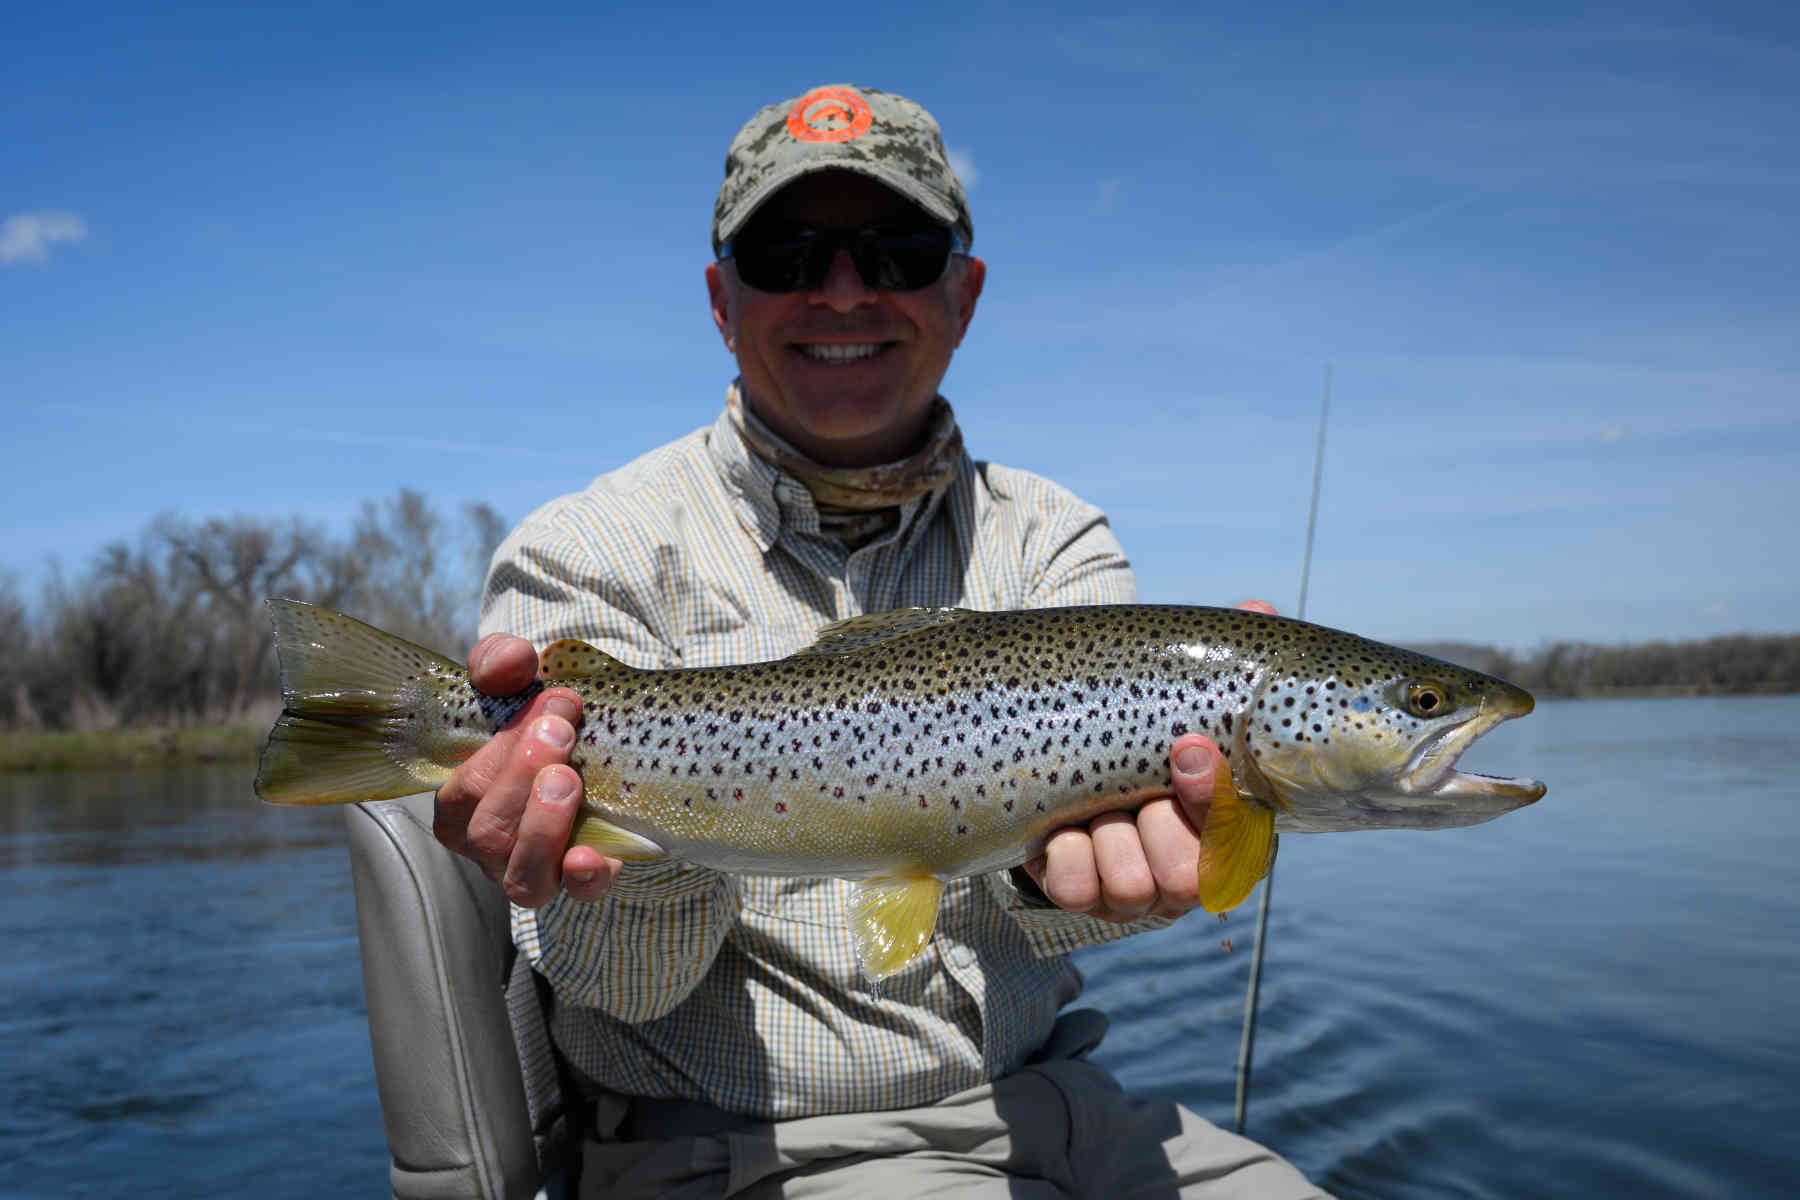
(908, 748)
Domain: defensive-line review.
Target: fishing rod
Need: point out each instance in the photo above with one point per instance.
(1247, 1041)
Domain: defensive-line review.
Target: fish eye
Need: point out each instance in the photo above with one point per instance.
(1426, 698)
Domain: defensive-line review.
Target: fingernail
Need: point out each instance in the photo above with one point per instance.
(557, 789)
(555, 732)
(1191, 760)
(580, 878)
(562, 706)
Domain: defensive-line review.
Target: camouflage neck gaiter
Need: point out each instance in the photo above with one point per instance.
(858, 504)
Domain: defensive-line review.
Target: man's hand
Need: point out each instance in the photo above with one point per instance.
(1124, 866)
(511, 806)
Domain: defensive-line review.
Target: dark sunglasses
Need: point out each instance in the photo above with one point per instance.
(797, 258)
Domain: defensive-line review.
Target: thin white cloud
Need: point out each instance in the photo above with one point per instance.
(27, 237)
(964, 165)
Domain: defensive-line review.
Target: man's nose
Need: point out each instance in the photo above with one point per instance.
(843, 288)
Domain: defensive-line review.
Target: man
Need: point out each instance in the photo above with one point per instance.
(728, 1038)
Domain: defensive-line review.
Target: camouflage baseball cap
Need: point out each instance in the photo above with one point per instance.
(886, 137)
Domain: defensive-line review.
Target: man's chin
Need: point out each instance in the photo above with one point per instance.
(851, 427)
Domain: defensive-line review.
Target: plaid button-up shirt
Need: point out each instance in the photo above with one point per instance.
(740, 990)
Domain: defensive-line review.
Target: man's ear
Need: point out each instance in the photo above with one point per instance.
(719, 289)
(968, 291)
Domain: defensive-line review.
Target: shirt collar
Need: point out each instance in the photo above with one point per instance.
(769, 501)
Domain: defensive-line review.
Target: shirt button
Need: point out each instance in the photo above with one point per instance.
(961, 957)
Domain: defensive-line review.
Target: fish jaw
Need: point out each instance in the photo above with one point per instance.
(1431, 777)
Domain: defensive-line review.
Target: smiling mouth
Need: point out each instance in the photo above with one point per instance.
(841, 353)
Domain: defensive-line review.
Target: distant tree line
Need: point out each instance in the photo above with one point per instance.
(170, 629)
(1735, 663)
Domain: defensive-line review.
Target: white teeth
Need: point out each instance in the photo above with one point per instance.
(840, 354)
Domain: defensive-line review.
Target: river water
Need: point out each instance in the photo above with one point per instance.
(1593, 996)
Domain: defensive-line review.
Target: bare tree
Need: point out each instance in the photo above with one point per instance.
(227, 568)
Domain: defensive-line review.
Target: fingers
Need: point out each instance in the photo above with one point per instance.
(493, 826)
(1125, 866)
(1100, 870)
(587, 874)
(502, 665)
(1261, 606)
(1127, 885)
(486, 794)
(538, 863)
(1171, 828)
(481, 811)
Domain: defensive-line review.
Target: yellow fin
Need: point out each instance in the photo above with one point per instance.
(871, 629)
(614, 842)
(891, 920)
(573, 659)
(1237, 847)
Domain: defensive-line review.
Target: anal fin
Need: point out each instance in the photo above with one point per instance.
(1237, 846)
(891, 920)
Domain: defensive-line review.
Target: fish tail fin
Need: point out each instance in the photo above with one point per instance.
(349, 729)
(1237, 845)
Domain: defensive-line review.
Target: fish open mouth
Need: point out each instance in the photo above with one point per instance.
(1431, 771)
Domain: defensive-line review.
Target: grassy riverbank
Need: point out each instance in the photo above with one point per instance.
(130, 748)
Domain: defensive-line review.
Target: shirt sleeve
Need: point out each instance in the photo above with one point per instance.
(640, 951)
(1071, 557)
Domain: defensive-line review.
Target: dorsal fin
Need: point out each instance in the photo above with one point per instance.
(570, 658)
(871, 629)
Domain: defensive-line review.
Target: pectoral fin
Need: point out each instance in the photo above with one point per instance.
(1237, 847)
(614, 842)
(891, 920)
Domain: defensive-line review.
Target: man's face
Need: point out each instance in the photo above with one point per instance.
(843, 372)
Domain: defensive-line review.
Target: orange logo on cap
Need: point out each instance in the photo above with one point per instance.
(829, 114)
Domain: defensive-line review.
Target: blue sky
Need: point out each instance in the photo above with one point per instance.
(270, 261)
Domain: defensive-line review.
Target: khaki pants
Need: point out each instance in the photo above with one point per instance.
(1062, 1128)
